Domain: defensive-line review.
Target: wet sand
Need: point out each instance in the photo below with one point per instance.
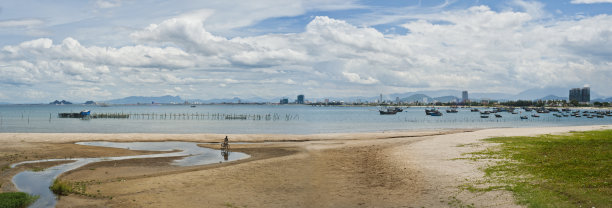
(393, 169)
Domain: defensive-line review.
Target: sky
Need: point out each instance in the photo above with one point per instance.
(81, 50)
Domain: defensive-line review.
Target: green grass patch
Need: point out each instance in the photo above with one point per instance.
(572, 170)
(61, 188)
(16, 199)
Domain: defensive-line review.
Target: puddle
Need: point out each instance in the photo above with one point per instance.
(37, 183)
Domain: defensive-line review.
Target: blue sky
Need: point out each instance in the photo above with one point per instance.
(104, 49)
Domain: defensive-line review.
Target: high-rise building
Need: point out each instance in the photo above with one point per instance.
(574, 94)
(284, 101)
(585, 94)
(380, 101)
(464, 97)
(397, 100)
(300, 99)
(581, 95)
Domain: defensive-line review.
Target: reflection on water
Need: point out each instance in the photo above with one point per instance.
(37, 183)
(225, 154)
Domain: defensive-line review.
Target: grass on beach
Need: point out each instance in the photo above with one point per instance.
(16, 199)
(60, 188)
(573, 170)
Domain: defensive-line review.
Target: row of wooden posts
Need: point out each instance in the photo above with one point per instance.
(184, 116)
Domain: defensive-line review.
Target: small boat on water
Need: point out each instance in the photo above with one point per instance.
(85, 113)
(535, 115)
(523, 117)
(484, 116)
(429, 111)
(435, 113)
(193, 106)
(387, 111)
(497, 116)
(452, 111)
(474, 110)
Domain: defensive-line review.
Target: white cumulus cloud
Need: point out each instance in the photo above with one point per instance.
(590, 1)
(477, 49)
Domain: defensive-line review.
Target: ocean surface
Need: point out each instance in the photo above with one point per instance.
(260, 119)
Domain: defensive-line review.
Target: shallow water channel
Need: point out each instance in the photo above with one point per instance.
(37, 183)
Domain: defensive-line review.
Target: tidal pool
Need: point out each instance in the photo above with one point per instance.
(37, 183)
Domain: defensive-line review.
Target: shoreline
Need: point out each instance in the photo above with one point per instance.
(416, 168)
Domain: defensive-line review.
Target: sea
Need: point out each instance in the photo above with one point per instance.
(261, 119)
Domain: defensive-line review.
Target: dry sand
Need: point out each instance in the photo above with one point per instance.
(394, 169)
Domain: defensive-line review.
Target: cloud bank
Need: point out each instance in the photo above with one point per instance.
(475, 49)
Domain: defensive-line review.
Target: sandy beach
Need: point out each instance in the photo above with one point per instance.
(391, 169)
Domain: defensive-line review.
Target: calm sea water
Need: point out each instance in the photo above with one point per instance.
(291, 119)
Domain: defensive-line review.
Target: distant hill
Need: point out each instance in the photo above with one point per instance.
(553, 97)
(602, 100)
(63, 102)
(446, 99)
(416, 98)
(144, 100)
(223, 100)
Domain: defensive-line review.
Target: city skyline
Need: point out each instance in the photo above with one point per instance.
(108, 49)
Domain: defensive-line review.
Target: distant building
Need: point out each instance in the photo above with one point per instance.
(585, 94)
(464, 97)
(300, 99)
(284, 101)
(581, 95)
(380, 100)
(397, 100)
(326, 100)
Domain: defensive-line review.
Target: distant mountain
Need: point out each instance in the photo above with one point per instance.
(144, 100)
(536, 93)
(489, 96)
(553, 97)
(446, 99)
(431, 93)
(63, 102)
(212, 101)
(417, 98)
(602, 100)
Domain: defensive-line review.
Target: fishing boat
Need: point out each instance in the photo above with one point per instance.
(429, 111)
(387, 111)
(85, 113)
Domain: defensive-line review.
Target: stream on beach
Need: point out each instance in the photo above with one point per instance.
(37, 183)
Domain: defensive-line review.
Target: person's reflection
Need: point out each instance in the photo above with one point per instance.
(225, 154)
